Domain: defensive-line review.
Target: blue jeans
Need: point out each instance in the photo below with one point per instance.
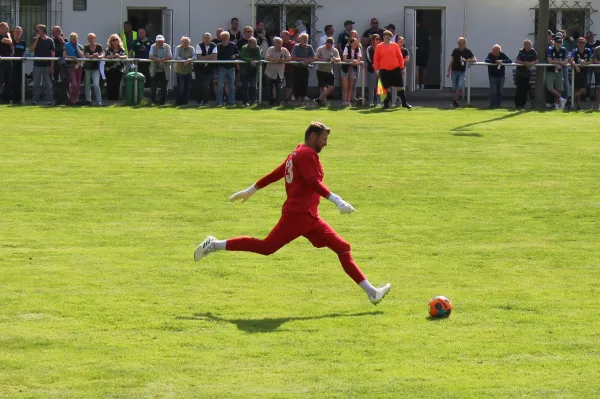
(183, 88)
(42, 74)
(92, 77)
(496, 87)
(229, 75)
(458, 80)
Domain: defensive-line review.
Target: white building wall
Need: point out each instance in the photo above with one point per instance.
(506, 22)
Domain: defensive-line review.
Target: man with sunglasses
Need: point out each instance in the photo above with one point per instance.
(457, 68)
(374, 29)
(579, 58)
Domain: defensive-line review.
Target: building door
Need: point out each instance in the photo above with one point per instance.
(424, 33)
(149, 18)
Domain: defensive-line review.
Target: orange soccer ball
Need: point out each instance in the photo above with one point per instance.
(440, 306)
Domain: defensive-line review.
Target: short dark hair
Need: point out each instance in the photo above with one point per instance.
(142, 27)
(127, 23)
(234, 19)
(327, 27)
(316, 127)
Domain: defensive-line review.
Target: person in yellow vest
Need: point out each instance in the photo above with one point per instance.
(128, 37)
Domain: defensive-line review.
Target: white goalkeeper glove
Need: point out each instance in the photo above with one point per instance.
(243, 195)
(342, 205)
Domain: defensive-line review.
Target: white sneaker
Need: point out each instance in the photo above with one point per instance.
(205, 248)
(556, 106)
(380, 294)
(563, 101)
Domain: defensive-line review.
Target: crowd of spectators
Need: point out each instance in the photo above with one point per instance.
(287, 60)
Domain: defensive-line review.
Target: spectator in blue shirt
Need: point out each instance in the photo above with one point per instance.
(141, 49)
(557, 55)
(580, 58)
(497, 74)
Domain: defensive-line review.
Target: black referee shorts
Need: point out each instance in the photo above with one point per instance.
(391, 78)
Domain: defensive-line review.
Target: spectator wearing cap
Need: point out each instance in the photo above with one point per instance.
(580, 57)
(526, 58)
(304, 54)
(327, 32)
(183, 70)
(497, 74)
(596, 57)
(289, 44)
(371, 75)
(344, 37)
(457, 68)
(250, 53)
(325, 77)
(205, 51)
(388, 64)
(557, 55)
(550, 38)
(566, 92)
(352, 53)
(159, 53)
(374, 29)
(277, 55)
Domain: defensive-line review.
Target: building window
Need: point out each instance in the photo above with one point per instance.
(79, 5)
(574, 17)
(285, 14)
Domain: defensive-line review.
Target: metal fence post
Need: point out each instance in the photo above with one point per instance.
(260, 82)
(469, 83)
(135, 82)
(23, 83)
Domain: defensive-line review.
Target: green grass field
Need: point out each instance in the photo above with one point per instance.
(101, 210)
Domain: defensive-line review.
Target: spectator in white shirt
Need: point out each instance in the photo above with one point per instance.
(327, 32)
(277, 55)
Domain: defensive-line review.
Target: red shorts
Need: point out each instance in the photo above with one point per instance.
(290, 227)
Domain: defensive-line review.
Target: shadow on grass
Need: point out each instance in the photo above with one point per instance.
(431, 318)
(467, 134)
(268, 325)
(468, 126)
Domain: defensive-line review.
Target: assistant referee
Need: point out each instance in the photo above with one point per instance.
(388, 63)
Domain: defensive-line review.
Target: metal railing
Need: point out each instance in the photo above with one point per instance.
(468, 77)
(135, 62)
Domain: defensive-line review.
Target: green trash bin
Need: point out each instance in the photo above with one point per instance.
(130, 79)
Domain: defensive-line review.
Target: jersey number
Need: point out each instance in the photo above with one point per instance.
(289, 171)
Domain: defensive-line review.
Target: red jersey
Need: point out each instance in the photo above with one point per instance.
(304, 186)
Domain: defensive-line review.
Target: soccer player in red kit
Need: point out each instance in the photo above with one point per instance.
(303, 174)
